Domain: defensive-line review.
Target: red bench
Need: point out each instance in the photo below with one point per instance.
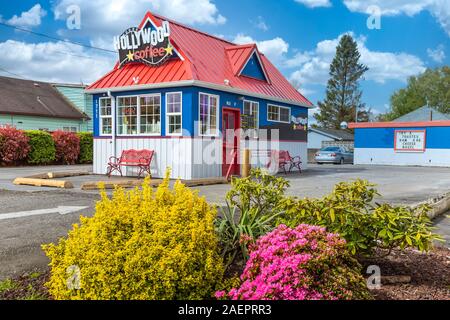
(285, 160)
(131, 158)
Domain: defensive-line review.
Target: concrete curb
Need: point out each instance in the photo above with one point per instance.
(439, 205)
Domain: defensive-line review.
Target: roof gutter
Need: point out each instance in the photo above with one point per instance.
(202, 84)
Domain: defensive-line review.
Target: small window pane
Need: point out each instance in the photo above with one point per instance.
(106, 125)
(251, 114)
(175, 124)
(105, 107)
(208, 105)
(127, 115)
(150, 115)
(174, 119)
(284, 114)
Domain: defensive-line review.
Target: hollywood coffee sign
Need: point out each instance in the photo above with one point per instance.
(149, 46)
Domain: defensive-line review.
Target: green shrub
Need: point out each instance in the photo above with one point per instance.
(260, 191)
(350, 212)
(86, 147)
(42, 147)
(252, 206)
(141, 244)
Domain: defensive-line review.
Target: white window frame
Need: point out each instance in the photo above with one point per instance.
(279, 113)
(69, 128)
(257, 110)
(139, 114)
(216, 134)
(101, 117)
(174, 114)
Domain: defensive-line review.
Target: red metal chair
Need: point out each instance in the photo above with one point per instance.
(285, 160)
(131, 158)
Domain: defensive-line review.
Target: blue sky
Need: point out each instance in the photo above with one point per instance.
(299, 36)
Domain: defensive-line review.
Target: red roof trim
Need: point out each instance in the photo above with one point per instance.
(360, 125)
(151, 17)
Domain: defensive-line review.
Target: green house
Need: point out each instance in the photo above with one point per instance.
(27, 104)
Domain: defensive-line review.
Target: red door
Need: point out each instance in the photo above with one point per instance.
(230, 123)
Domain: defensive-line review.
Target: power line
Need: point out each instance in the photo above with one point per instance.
(55, 38)
(12, 73)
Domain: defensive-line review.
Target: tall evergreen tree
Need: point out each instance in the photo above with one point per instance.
(343, 95)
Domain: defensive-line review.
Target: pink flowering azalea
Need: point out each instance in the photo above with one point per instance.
(305, 263)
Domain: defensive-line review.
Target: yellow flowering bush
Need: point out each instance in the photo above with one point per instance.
(140, 244)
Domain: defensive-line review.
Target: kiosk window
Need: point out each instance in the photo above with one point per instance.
(174, 113)
(105, 116)
(209, 108)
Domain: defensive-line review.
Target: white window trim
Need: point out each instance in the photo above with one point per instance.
(279, 114)
(117, 115)
(101, 117)
(138, 115)
(257, 108)
(155, 134)
(174, 114)
(216, 134)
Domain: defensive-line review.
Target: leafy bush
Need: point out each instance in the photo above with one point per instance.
(86, 147)
(238, 229)
(42, 147)
(349, 211)
(304, 263)
(141, 244)
(252, 206)
(67, 146)
(260, 191)
(14, 144)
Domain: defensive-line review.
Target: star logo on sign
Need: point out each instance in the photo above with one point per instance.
(130, 56)
(169, 50)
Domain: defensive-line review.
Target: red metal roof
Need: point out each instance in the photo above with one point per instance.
(206, 59)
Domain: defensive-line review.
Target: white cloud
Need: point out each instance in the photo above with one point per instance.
(107, 18)
(261, 24)
(275, 49)
(383, 66)
(315, 3)
(440, 9)
(438, 54)
(54, 61)
(30, 18)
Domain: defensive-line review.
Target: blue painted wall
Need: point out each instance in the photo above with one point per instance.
(436, 137)
(253, 69)
(190, 112)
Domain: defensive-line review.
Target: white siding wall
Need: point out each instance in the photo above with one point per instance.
(207, 158)
(173, 153)
(385, 156)
(188, 158)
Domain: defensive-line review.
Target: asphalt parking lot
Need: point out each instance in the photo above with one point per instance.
(21, 237)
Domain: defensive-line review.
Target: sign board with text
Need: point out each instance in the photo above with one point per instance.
(149, 45)
(410, 140)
